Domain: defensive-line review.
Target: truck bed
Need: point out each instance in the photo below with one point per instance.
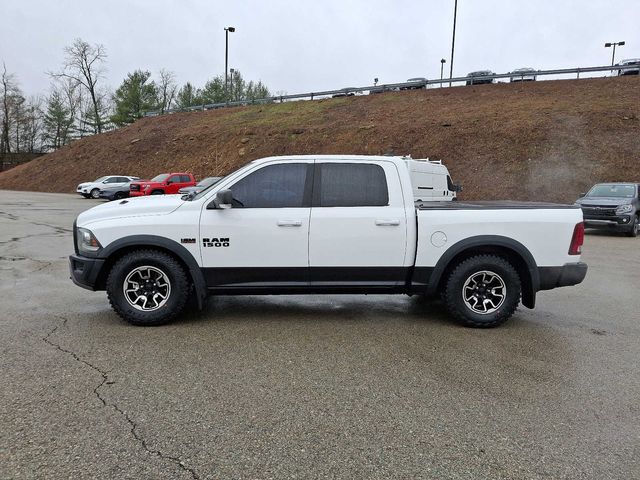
(491, 205)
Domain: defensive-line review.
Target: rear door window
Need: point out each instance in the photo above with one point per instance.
(350, 185)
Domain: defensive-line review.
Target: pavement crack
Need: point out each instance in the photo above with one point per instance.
(105, 380)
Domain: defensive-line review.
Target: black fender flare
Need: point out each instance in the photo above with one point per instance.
(174, 247)
(528, 294)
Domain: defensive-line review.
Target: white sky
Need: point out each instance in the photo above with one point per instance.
(305, 45)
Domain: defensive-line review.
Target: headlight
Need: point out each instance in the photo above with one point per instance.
(624, 209)
(87, 242)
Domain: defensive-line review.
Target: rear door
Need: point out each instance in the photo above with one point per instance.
(263, 241)
(358, 228)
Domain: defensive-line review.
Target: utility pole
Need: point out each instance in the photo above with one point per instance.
(226, 61)
(453, 40)
(232, 71)
(442, 62)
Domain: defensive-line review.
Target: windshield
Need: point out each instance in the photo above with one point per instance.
(623, 191)
(201, 193)
(160, 178)
(100, 179)
(207, 181)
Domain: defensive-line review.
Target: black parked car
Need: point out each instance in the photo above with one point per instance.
(117, 192)
(612, 206)
(479, 77)
(201, 185)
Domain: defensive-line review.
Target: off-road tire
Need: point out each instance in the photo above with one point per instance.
(633, 228)
(179, 282)
(157, 192)
(95, 193)
(453, 291)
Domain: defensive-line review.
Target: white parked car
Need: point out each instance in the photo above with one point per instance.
(314, 224)
(92, 189)
(523, 75)
(630, 71)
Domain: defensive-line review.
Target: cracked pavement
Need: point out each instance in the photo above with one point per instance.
(310, 387)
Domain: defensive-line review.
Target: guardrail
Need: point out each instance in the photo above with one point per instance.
(398, 86)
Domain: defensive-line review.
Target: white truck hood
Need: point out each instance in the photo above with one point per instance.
(131, 207)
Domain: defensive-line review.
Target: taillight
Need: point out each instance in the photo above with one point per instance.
(577, 239)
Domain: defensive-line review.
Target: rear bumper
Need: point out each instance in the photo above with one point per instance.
(564, 276)
(136, 193)
(84, 271)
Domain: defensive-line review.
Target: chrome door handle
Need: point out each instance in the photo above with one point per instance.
(289, 223)
(387, 223)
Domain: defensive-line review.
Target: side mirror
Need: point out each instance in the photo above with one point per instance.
(583, 194)
(223, 200)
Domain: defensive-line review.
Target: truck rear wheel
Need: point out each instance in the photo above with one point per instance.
(147, 287)
(482, 291)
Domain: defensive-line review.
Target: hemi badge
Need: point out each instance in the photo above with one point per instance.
(187, 240)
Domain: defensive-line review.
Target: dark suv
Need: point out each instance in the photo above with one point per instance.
(612, 206)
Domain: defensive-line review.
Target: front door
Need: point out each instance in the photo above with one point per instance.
(263, 240)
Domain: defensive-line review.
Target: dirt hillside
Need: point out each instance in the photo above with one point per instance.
(536, 141)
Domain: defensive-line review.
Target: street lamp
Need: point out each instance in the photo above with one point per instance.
(442, 62)
(226, 59)
(453, 40)
(613, 44)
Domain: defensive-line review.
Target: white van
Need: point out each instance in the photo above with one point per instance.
(430, 180)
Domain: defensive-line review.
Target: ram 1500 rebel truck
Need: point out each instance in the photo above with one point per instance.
(163, 184)
(324, 224)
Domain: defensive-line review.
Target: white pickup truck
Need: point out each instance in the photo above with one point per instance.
(324, 224)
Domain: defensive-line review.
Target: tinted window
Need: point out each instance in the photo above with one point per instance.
(174, 179)
(185, 178)
(275, 186)
(352, 185)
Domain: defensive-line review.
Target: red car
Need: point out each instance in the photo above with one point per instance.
(163, 184)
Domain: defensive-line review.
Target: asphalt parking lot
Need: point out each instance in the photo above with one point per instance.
(310, 387)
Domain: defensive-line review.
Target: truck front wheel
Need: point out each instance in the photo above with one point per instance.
(147, 287)
(482, 291)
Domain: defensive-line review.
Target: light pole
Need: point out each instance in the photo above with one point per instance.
(442, 62)
(453, 40)
(231, 71)
(613, 44)
(226, 60)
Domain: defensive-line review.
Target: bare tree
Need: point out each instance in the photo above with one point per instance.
(167, 89)
(9, 92)
(84, 65)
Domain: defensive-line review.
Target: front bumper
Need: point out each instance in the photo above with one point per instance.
(618, 222)
(564, 276)
(84, 271)
(136, 193)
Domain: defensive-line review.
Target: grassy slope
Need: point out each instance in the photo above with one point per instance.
(539, 141)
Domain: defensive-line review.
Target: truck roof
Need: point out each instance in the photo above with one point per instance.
(354, 158)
